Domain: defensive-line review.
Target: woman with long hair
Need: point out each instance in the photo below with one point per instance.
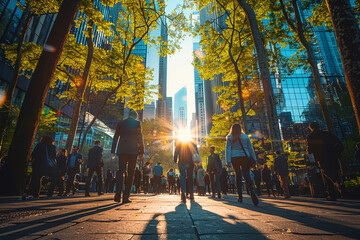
(239, 151)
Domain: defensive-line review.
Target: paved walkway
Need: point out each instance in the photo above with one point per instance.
(164, 217)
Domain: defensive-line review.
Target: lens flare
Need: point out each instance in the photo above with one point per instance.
(79, 81)
(183, 136)
(2, 96)
(49, 48)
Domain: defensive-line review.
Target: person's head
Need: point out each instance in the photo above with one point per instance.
(133, 114)
(171, 169)
(235, 131)
(278, 153)
(97, 142)
(314, 126)
(212, 149)
(75, 149)
(62, 151)
(46, 139)
(159, 163)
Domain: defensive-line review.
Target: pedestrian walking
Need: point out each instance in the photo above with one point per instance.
(281, 168)
(201, 181)
(146, 176)
(108, 182)
(214, 168)
(232, 184)
(178, 185)
(276, 181)
(266, 177)
(43, 164)
(137, 180)
(158, 172)
(326, 149)
(207, 183)
(171, 180)
(240, 153)
(61, 164)
(128, 145)
(224, 177)
(95, 164)
(75, 160)
(184, 152)
(257, 179)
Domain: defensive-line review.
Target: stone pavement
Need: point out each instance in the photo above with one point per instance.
(164, 217)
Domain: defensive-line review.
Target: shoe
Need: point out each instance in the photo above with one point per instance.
(219, 195)
(87, 194)
(239, 199)
(24, 197)
(183, 198)
(117, 197)
(254, 199)
(65, 195)
(126, 200)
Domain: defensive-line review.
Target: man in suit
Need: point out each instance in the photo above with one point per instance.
(128, 145)
(95, 164)
(184, 151)
(73, 167)
(214, 168)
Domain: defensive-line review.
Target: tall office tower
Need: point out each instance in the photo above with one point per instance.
(169, 113)
(149, 111)
(210, 97)
(180, 109)
(199, 87)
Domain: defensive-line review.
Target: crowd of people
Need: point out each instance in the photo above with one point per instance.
(128, 146)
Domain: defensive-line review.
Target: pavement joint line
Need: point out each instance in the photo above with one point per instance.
(193, 224)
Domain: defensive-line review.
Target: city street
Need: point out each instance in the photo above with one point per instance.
(164, 217)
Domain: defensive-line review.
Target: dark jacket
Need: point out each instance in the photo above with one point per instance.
(281, 165)
(185, 152)
(257, 176)
(214, 163)
(266, 174)
(128, 138)
(95, 157)
(61, 163)
(78, 162)
(38, 155)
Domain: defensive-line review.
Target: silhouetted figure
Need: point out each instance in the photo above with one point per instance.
(137, 180)
(201, 181)
(158, 171)
(281, 168)
(232, 184)
(95, 164)
(73, 167)
(214, 168)
(224, 181)
(326, 149)
(257, 179)
(207, 183)
(171, 180)
(128, 145)
(266, 176)
(61, 163)
(109, 187)
(146, 176)
(276, 181)
(239, 150)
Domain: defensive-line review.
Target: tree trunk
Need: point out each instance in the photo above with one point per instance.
(242, 105)
(31, 109)
(79, 94)
(272, 118)
(299, 31)
(347, 34)
(6, 109)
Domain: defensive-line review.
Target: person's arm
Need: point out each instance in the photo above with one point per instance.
(116, 139)
(228, 150)
(250, 148)
(140, 140)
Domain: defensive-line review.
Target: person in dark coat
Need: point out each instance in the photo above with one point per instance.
(43, 151)
(224, 176)
(184, 157)
(108, 181)
(73, 167)
(207, 183)
(266, 177)
(276, 181)
(146, 176)
(281, 168)
(214, 168)
(128, 144)
(61, 163)
(326, 149)
(95, 164)
(137, 180)
(257, 179)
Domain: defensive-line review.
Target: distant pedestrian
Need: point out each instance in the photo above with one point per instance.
(95, 164)
(108, 182)
(171, 181)
(240, 153)
(224, 181)
(276, 181)
(61, 163)
(158, 172)
(326, 150)
(214, 168)
(232, 184)
(128, 144)
(257, 179)
(74, 163)
(266, 177)
(184, 152)
(281, 168)
(43, 164)
(137, 180)
(207, 183)
(178, 185)
(146, 176)
(201, 181)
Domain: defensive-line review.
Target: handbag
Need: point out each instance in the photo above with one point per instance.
(251, 160)
(196, 158)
